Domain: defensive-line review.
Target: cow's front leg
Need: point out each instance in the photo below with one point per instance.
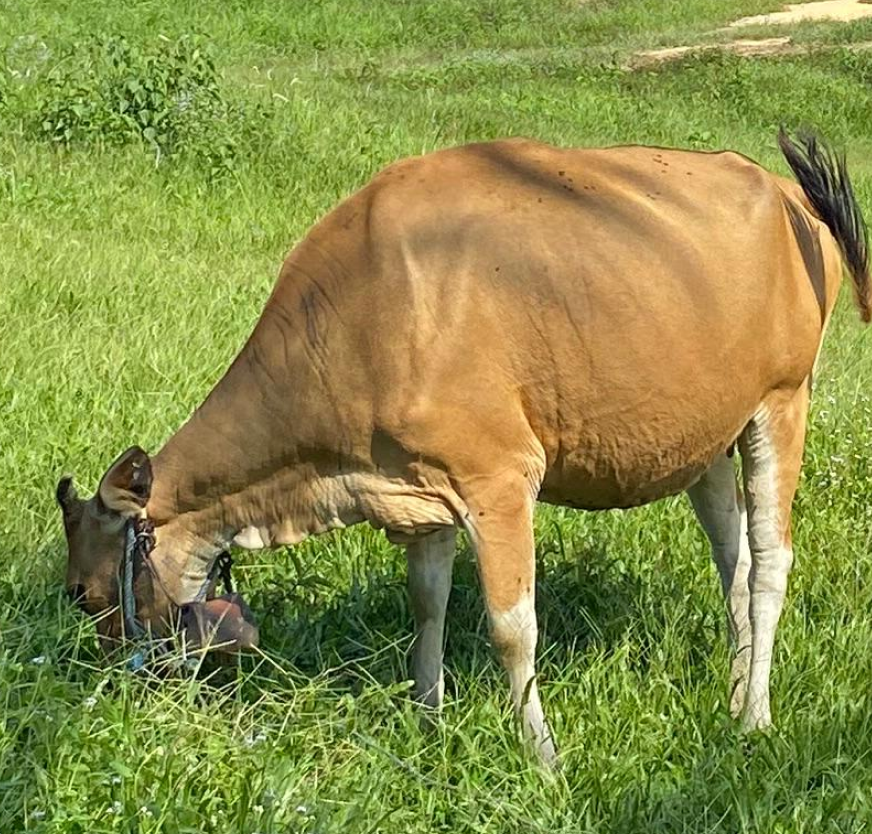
(431, 560)
(500, 523)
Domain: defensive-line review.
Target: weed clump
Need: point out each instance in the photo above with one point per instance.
(109, 91)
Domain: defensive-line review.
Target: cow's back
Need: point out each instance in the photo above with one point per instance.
(620, 312)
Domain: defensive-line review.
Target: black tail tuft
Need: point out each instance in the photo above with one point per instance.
(823, 175)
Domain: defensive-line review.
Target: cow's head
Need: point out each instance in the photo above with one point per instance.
(96, 531)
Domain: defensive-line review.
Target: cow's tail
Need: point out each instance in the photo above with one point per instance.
(823, 175)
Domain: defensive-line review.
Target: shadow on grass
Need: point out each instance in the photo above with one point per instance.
(586, 600)
(818, 761)
(361, 631)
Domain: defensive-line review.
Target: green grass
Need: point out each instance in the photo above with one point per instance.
(127, 286)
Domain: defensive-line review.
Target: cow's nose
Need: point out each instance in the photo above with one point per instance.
(78, 595)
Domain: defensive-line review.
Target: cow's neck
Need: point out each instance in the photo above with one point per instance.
(199, 512)
(237, 470)
(262, 500)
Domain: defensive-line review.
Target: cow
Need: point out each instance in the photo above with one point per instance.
(483, 327)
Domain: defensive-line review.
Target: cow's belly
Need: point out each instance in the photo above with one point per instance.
(584, 492)
(612, 472)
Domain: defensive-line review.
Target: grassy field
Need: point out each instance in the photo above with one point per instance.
(136, 252)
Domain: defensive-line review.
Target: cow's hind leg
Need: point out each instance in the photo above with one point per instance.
(500, 523)
(771, 448)
(720, 508)
(430, 559)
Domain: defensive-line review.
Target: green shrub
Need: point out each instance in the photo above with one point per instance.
(170, 98)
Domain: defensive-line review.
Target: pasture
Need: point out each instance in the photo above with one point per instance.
(157, 161)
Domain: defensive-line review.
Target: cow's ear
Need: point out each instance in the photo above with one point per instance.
(66, 494)
(68, 500)
(126, 487)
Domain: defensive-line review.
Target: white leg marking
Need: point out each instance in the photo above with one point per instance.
(430, 564)
(722, 515)
(514, 635)
(769, 582)
(740, 617)
(771, 559)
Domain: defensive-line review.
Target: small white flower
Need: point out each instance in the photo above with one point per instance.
(145, 811)
(37, 815)
(38, 661)
(116, 780)
(90, 702)
(253, 739)
(302, 809)
(116, 808)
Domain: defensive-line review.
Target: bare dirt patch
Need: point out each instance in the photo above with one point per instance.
(745, 48)
(841, 10)
(836, 10)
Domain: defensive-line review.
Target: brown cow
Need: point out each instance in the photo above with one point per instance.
(488, 325)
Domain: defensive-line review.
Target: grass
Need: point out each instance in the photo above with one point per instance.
(127, 283)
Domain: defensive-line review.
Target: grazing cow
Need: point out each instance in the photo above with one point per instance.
(488, 325)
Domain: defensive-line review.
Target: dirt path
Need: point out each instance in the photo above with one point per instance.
(745, 48)
(842, 10)
(837, 10)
